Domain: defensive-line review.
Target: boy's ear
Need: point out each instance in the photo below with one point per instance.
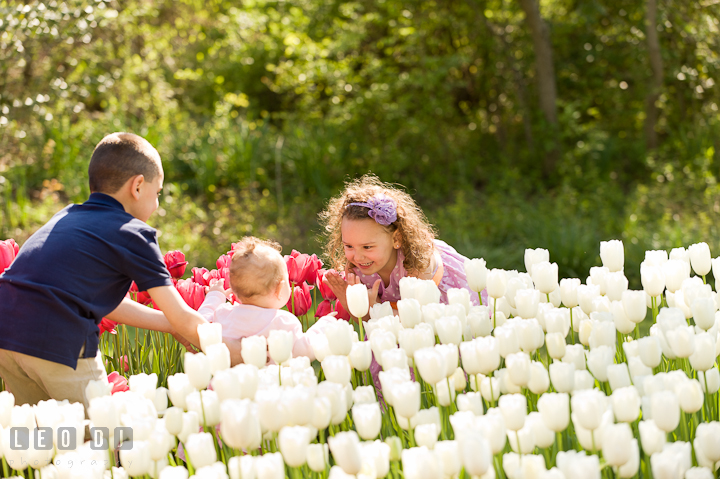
(135, 183)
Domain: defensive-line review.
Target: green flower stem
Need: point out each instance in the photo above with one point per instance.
(572, 328)
(362, 332)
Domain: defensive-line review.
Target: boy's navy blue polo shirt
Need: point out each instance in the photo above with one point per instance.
(70, 274)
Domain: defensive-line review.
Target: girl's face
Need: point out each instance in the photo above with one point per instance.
(369, 246)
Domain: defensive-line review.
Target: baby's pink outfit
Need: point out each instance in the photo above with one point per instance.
(243, 320)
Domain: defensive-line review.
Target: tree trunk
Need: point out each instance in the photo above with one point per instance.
(546, 76)
(656, 82)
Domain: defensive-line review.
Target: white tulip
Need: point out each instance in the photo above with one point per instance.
(209, 334)
(254, 350)
(652, 438)
(476, 273)
(554, 410)
(496, 283)
(358, 300)
(652, 279)
(700, 258)
(612, 254)
(514, 410)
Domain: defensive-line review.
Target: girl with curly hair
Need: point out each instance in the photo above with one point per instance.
(377, 235)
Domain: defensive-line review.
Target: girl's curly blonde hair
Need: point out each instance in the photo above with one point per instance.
(416, 233)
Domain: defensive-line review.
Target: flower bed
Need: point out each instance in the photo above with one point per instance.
(551, 379)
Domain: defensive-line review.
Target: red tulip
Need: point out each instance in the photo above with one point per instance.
(107, 326)
(200, 276)
(323, 285)
(300, 301)
(8, 250)
(224, 261)
(119, 383)
(324, 308)
(341, 312)
(302, 267)
(141, 297)
(191, 292)
(175, 262)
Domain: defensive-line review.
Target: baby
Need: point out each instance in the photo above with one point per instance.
(259, 279)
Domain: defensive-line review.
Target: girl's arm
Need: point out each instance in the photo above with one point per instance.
(212, 300)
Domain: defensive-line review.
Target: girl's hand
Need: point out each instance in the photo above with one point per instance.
(219, 286)
(338, 285)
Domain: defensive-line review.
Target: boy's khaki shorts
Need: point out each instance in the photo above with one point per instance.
(32, 379)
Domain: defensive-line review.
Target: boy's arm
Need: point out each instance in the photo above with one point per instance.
(185, 320)
(131, 313)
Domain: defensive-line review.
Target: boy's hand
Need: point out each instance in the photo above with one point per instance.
(186, 344)
(219, 286)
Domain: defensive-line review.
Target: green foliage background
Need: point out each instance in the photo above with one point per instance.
(262, 109)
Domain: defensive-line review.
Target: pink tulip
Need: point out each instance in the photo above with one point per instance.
(176, 264)
(300, 302)
(8, 250)
(323, 286)
(119, 383)
(107, 326)
(191, 292)
(200, 276)
(302, 267)
(223, 261)
(324, 308)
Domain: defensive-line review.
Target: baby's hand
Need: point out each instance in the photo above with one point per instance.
(219, 286)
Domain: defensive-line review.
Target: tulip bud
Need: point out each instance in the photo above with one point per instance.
(650, 352)
(508, 341)
(562, 376)
(681, 341)
(459, 296)
(703, 358)
(652, 279)
(406, 398)
(665, 410)
(555, 343)
(545, 276)
(709, 380)
(179, 387)
(514, 410)
(539, 378)
(612, 254)
(690, 396)
(357, 299)
(410, 312)
(588, 407)
(535, 256)
(490, 389)
(615, 285)
(652, 438)
(360, 355)
(269, 466)
(518, 366)
(474, 454)
(280, 345)
(496, 283)
(554, 410)
(380, 310)
(618, 376)
(218, 357)
(293, 442)
(707, 436)
(337, 369)
(575, 353)
(206, 405)
(209, 333)
(254, 350)
(568, 291)
(136, 458)
(470, 402)
(625, 403)
(616, 444)
(197, 368)
(317, 457)
(339, 335)
(479, 321)
(527, 301)
(598, 360)
(199, 447)
(345, 448)
(700, 258)
(476, 273)
(431, 365)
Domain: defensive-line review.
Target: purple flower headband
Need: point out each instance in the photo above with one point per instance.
(382, 209)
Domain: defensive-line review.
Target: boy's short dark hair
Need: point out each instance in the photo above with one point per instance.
(117, 158)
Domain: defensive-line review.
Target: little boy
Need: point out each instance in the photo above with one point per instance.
(77, 268)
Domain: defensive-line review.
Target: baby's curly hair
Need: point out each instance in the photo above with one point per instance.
(256, 267)
(416, 233)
